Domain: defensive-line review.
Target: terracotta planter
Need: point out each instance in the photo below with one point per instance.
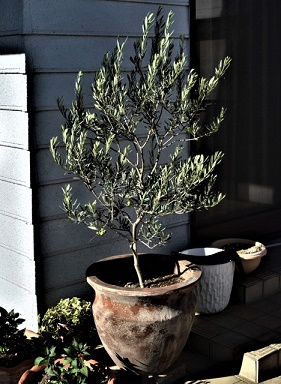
(214, 289)
(12, 375)
(143, 330)
(32, 375)
(250, 261)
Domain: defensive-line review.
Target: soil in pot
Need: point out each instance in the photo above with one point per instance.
(158, 271)
(244, 248)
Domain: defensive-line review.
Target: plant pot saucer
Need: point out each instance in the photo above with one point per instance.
(250, 253)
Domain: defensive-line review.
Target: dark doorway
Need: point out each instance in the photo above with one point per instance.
(249, 31)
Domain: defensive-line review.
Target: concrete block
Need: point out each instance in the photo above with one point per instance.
(271, 285)
(11, 63)
(271, 282)
(16, 235)
(15, 165)
(13, 91)
(223, 347)
(18, 269)
(249, 291)
(14, 129)
(22, 301)
(260, 365)
(16, 201)
(277, 347)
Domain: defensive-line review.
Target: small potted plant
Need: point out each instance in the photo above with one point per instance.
(132, 154)
(249, 251)
(70, 318)
(69, 347)
(17, 349)
(75, 367)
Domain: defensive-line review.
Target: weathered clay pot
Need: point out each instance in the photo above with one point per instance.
(143, 330)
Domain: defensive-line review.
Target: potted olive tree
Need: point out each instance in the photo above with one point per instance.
(131, 151)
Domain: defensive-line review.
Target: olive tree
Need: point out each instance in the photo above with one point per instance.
(131, 149)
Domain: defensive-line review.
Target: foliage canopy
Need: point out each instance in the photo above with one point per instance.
(131, 150)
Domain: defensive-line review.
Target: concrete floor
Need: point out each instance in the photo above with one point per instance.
(241, 344)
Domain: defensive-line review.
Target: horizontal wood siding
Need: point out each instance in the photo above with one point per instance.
(61, 38)
(95, 17)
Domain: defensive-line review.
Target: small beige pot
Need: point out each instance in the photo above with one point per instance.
(250, 261)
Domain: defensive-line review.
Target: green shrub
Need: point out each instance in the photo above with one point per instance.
(72, 369)
(69, 319)
(14, 345)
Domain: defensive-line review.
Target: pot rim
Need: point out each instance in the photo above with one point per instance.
(191, 275)
(198, 251)
(246, 256)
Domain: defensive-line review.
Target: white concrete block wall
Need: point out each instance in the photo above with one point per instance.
(17, 137)
(17, 265)
(59, 39)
